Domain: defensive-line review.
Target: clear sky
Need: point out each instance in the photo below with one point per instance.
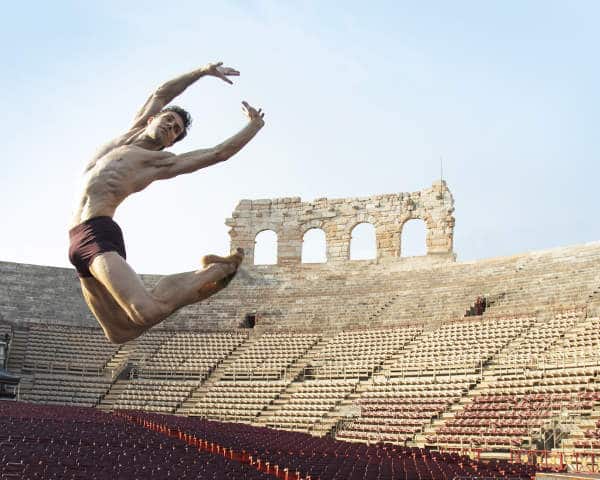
(361, 98)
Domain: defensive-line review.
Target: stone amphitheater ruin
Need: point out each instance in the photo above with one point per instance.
(390, 350)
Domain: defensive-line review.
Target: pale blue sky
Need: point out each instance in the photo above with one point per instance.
(360, 99)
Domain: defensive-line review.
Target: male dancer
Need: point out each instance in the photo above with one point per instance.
(114, 292)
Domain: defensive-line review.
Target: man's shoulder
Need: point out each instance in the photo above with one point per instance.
(123, 140)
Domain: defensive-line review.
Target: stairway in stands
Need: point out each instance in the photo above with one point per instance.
(114, 368)
(117, 388)
(17, 350)
(217, 374)
(296, 376)
(378, 313)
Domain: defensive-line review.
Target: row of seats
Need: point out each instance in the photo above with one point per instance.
(155, 395)
(270, 356)
(54, 348)
(240, 401)
(66, 389)
(395, 409)
(326, 458)
(191, 355)
(309, 402)
(67, 443)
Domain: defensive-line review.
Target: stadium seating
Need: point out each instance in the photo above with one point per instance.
(368, 353)
(190, 355)
(68, 443)
(394, 410)
(238, 401)
(66, 349)
(325, 458)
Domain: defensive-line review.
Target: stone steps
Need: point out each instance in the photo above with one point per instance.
(117, 388)
(216, 375)
(17, 350)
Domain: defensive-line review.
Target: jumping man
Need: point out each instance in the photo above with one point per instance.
(113, 291)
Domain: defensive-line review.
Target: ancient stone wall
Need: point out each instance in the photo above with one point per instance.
(41, 294)
(290, 219)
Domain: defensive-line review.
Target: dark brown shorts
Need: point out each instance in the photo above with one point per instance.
(91, 238)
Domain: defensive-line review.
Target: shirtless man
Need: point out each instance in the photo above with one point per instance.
(114, 292)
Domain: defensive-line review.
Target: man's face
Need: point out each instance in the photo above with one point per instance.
(165, 128)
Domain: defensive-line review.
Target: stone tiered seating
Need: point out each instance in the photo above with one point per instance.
(309, 402)
(458, 347)
(70, 349)
(356, 354)
(155, 395)
(191, 355)
(527, 350)
(512, 410)
(270, 357)
(394, 410)
(591, 439)
(147, 344)
(533, 364)
(580, 347)
(239, 401)
(5, 328)
(66, 365)
(85, 391)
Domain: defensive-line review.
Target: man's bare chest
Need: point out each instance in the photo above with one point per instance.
(125, 169)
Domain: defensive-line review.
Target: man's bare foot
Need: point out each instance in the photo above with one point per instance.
(235, 259)
(232, 260)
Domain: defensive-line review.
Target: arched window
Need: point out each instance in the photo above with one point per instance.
(314, 246)
(414, 238)
(363, 245)
(265, 248)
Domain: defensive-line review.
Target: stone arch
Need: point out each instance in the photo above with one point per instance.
(266, 242)
(314, 246)
(363, 244)
(290, 218)
(413, 239)
(430, 227)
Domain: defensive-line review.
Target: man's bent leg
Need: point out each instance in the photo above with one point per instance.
(144, 308)
(115, 322)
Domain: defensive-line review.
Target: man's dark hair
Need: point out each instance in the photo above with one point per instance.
(185, 117)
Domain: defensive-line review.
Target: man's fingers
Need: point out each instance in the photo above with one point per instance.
(228, 71)
(251, 111)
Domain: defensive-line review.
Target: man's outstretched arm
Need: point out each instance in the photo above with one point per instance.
(163, 95)
(189, 162)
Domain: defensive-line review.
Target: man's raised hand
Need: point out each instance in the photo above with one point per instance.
(252, 112)
(219, 71)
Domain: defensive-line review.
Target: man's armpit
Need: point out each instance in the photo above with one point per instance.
(162, 159)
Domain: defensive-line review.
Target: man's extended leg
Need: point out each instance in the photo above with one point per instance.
(147, 308)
